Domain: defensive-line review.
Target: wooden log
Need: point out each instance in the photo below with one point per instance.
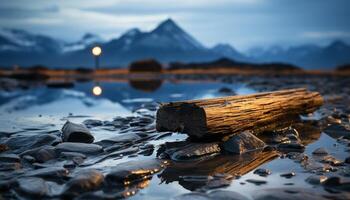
(227, 116)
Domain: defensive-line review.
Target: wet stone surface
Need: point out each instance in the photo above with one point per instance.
(122, 156)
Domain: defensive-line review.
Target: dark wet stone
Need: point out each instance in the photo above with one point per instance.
(45, 154)
(22, 143)
(243, 142)
(347, 160)
(133, 171)
(79, 148)
(256, 181)
(71, 155)
(10, 166)
(72, 132)
(84, 181)
(316, 179)
(49, 172)
(3, 147)
(147, 150)
(226, 195)
(33, 186)
(291, 147)
(92, 123)
(262, 172)
(121, 138)
(298, 157)
(114, 155)
(332, 181)
(286, 194)
(277, 138)
(288, 175)
(193, 151)
(336, 131)
(320, 151)
(29, 158)
(9, 157)
(331, 160)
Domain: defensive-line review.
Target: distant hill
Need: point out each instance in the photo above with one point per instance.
(229, 63)
(168, 42)
(308, 56)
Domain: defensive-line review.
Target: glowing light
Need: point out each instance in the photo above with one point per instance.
(97, 90)
(96, 51)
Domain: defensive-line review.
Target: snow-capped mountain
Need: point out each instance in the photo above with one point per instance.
(228, 51)
(87, 40)
(308, 56)
(19, 40)
(167, 42)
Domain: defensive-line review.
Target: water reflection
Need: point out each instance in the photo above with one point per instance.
(97, 90)
(235, 165)
(146, 85)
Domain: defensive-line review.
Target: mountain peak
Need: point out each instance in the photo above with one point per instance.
(167, 26)
(132, 32)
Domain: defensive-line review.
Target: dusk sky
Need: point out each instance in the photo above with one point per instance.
(241, 23)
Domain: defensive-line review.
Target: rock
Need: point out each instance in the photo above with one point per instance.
(3, 147)
(133, 171)
(256, 181)
(71, 155)
(9, 157)
(262, 172)
(19, 144)
(347, 160)
(288, 175)
(243, 142)
(336, 131)
(84, 181)
(193, 151)
(45, 154)
(92, 123)
(10, 166)
(332, 161)
(29, 158)
(121, 138)
(316, 179)
(291, 147)
(72, 132)
(320, 151)
(49, 172)
(332, 182)
(226, 195)
(33, 186)
(79, 148)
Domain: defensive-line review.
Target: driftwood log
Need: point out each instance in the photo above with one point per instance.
(227, 116)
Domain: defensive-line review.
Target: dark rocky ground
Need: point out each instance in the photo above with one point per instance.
(44, 163)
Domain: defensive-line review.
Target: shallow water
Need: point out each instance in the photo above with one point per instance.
(49, 108)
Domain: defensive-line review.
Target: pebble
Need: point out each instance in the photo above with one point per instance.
(347, 160)
(256, 181)
(84, 181)
(262, 172)
(9, 157)
(291, 147)
(331, 160)
(316, 179)
(45, 154)
(332, 182)
(33, 186)
(79, 148)
(193, 151)
(320, 151)
(49, 172)
(288, 175)
(242, 143)
(19, 144)
(92, 123)
(72, 132)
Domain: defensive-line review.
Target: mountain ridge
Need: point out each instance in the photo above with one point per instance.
(167, 42)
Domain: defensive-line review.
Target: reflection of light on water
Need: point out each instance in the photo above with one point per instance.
(97, 90)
